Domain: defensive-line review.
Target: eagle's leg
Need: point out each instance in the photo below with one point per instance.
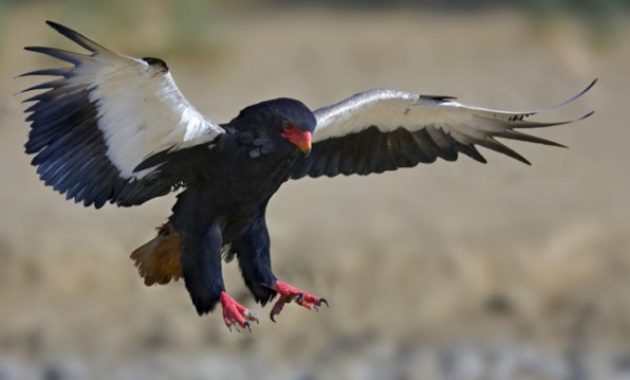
(201, 243)
(289, 293)
(201, 267)
(252, 251)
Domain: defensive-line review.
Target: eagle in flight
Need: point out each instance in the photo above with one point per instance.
(113, 128)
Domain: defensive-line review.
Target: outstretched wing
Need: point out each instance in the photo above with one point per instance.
(104, 114)
(381, 130)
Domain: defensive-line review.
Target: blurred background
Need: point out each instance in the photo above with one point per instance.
(449, 271)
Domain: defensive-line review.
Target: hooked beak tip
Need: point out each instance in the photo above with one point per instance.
(301, 139)
(305, 147)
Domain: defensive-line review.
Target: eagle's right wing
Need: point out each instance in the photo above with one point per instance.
(105, 114)
(382, 130)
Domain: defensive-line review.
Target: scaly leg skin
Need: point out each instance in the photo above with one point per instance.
(235, 314)
(288, 293)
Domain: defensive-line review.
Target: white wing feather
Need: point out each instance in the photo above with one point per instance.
(388, 110)
(140, 109)
(141, 112)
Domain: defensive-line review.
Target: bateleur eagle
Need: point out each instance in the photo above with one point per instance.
(113, 128)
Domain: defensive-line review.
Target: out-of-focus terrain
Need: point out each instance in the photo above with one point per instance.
(446, 271)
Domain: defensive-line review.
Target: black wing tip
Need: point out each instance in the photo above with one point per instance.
(41, 50)
(516, 157)
(536, 124)
(64, 55)
(26, 74)
(593, 82)
(480, 158)
(562, 104)
(45, 50)
(55, 25)
(59, 72)
(35, 49)
(586, 115)
(520, 158)
(75, 36)
(60, 28)
(579, 94)
(493, 144)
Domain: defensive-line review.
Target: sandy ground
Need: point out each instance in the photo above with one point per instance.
(447, 271)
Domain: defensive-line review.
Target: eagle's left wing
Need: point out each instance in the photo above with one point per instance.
(381, 130)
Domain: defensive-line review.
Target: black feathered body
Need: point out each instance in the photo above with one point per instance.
(222, 208)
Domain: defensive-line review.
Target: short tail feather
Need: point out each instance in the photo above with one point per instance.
(158, 261)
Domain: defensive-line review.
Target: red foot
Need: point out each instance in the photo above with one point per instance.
(289, 293)
(235, 314)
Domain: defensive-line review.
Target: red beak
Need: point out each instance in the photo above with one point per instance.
(301, 139)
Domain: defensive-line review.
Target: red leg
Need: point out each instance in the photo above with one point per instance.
(288, 293)
(235, 314)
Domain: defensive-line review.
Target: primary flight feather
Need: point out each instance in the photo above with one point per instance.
(113, 128)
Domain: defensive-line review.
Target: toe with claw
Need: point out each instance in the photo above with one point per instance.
(236, 315)
(288, 294)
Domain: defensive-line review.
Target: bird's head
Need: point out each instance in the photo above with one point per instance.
(297, 125)
(287, 118)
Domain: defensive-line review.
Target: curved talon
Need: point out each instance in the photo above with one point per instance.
(299, 298)
(236, 315)
(289, 293)
(277, 307)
